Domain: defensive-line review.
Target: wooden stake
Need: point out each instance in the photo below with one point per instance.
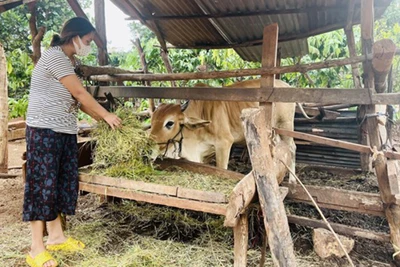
(258, 131)
(3, 112)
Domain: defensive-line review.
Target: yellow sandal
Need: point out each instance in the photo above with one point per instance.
(40, 259)
(70, 245)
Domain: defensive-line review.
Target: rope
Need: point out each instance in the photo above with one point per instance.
(322, 215)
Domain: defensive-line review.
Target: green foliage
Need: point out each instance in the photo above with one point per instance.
(17, 107)
(19, 70)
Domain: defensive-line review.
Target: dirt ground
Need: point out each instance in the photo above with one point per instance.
(365, 253)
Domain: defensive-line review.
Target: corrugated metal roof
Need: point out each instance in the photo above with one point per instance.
(239, 23)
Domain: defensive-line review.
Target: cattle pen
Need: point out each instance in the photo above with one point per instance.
(273, 41)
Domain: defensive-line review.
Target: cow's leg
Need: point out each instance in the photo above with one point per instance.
(222, 151)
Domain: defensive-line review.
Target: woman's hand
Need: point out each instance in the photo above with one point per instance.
(113, 120)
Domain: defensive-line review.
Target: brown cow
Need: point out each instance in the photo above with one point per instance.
(201, 128)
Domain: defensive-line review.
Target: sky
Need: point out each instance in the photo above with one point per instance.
(117, 30)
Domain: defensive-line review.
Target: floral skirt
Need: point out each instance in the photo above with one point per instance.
(52, 184)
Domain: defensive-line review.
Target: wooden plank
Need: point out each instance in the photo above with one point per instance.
(3, 112)
(213, 197)
(334, 143)
(16, 134)
(16, 124)
(241, 239)
(340, 228)
(279, 94)
(229, 73)
(129, 184)
(338, 199)
(169, 201)
(197, 168)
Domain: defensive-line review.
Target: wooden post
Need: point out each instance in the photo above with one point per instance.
(392, 210)
(100, 22)
(143, 61)
(258, 130)
(241, 238)
(3, 112)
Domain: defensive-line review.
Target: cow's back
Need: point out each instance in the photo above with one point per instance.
(225, 115)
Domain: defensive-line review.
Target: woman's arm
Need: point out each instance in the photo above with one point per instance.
(89, 104)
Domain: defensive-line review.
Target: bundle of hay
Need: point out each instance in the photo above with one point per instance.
(124, 151)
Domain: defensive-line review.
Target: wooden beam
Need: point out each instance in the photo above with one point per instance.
(100, 22)
(7, 175)
(384, 51)
(74, 4)
(3, 112)
(350, 13)
(232, 73)
(218, 209)
(337, 199)
(278, 94)
(340, 228)
(87, 71)
(129, 184)
(334, 143)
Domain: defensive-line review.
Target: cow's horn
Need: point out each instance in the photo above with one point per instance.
(184, 106)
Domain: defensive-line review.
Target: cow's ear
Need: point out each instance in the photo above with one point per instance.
(194, 123)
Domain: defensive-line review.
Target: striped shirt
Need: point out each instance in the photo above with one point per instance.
(51, 105)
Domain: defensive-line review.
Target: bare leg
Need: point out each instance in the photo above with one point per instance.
(37, 241)
(56, 234)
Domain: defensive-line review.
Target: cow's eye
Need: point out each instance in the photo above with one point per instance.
(169, 124)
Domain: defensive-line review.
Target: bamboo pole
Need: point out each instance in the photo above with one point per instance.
(3, 112)
(232, 73)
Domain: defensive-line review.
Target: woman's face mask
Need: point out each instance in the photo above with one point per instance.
(81, 49)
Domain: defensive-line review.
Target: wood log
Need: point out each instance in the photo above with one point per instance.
(241, 239)
(100, 22)
(264, 169)
(167, 63)
(334, 143)
(88, 71)
(383, 51)
(338, 199)
(340, 228)
(232, 73)
(3, 112)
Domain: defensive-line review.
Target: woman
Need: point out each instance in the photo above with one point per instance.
(56, 94)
